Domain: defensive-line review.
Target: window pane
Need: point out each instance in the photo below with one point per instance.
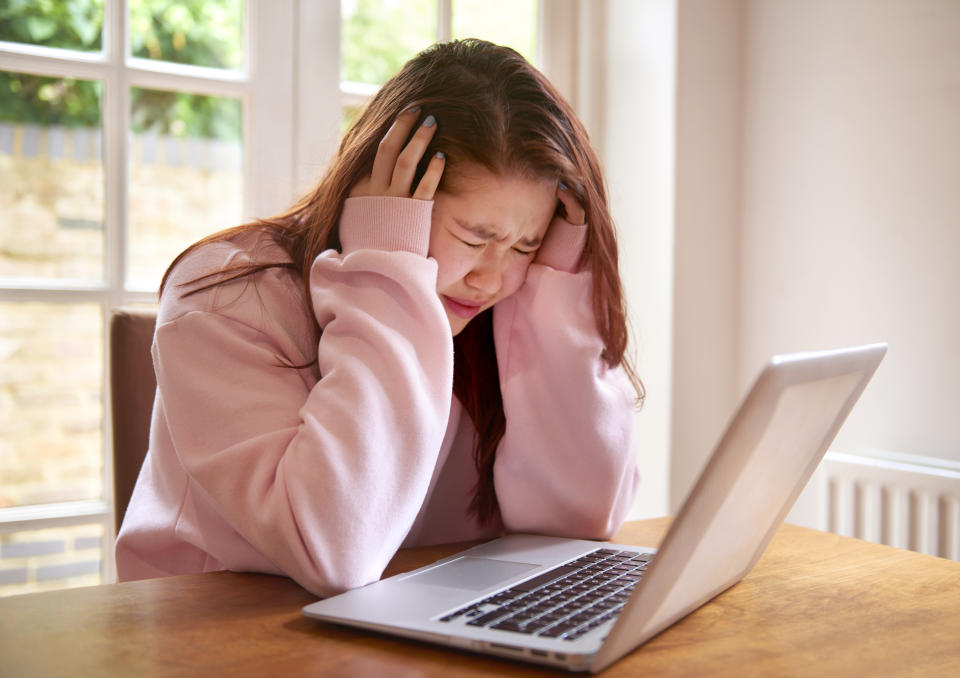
(348, 116)
(51, 196)
(51, 412)
(505, 22)
(186, 177)
(74, 24)
(379, 36)
(49, 559)
(196, 32)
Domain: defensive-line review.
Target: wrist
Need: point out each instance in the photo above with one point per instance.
(385, 223)
(563, 246)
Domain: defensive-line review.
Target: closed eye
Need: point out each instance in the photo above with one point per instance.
(525, 253)
(471, 245)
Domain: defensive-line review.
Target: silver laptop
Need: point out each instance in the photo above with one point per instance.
(582, 605)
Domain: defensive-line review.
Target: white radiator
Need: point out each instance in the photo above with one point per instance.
(902, 500)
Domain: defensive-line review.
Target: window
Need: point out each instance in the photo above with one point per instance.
(118, 122)
(379, 36)
(119, 119)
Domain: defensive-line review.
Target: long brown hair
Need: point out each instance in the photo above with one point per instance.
(496, 110)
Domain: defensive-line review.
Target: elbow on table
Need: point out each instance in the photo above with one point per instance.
(341, 569)
(334, 582)
(595, 514)
(595, 522)
(602, 525)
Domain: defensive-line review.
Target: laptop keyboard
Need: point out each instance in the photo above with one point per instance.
(564, 602)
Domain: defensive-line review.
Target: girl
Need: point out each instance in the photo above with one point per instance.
(428, 348)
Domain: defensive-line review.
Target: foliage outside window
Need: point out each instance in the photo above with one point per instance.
(76, 24)
(194, 32)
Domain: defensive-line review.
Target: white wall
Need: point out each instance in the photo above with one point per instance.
(709, 113)
(633, 44)
(851, 203)
(817, 204)
(785, 176)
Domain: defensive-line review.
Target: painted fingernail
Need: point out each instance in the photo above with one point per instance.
(439, 155)
(429, 121)
(563, 186)
(412, 109)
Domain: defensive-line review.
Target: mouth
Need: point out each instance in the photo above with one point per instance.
(462, 307)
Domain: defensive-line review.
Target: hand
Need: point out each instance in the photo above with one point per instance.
(572, 211)
(562, 247)
(395, 165)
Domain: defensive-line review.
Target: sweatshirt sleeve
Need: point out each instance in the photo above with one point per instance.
(322, 481)
(565, 465)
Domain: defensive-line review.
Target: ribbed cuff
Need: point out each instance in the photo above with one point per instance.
(386, 223)
(563, 246)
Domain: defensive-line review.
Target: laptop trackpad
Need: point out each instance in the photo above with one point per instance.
(471, 573)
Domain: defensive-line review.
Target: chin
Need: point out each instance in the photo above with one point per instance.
(457, 324)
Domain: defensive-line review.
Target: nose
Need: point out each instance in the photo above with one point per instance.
(486, 275)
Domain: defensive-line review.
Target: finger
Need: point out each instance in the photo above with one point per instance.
(361, 188)
(430, 180)
(389, 150)
(409, 158)
(575, 213)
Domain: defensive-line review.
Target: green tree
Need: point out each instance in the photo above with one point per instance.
(379, 36)
(77, 24)
(198, 32)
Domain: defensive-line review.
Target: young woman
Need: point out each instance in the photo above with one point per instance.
(428, 348)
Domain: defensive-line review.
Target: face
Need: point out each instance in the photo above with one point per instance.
(485, 233)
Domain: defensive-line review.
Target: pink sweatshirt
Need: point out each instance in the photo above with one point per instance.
(255, 466)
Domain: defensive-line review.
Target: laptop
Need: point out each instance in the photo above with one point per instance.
(582, 605)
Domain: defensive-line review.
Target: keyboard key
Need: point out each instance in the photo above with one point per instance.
(508, 625)
(545, 578)
(485, 619)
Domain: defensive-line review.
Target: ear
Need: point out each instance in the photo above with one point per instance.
(569, 208)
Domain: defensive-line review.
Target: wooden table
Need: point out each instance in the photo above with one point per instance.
(815, 605)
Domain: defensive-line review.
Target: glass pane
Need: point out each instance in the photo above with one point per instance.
(379, 36)
(505, 22)
(186, 178)
(49, 559)
(348, 116)
(196, 32)
(51, 413)
(51, 195)
(74, 24)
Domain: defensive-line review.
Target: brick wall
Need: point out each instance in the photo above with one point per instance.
(53, 558)
(52, 355)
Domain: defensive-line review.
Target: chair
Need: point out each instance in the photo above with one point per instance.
(132, 388)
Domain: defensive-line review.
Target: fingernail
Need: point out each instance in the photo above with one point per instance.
(439, 155)
(429, 121)
(412, 109)
(563, 186)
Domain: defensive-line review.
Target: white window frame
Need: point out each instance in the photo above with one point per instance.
(292, 100)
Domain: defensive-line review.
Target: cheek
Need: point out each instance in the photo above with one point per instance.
(452, 265)
(514, 277)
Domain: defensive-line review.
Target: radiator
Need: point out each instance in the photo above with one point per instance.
(902, 500)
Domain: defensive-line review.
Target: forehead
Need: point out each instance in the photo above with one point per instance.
(507, 204)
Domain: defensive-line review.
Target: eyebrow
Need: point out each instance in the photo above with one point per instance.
(487, 233)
